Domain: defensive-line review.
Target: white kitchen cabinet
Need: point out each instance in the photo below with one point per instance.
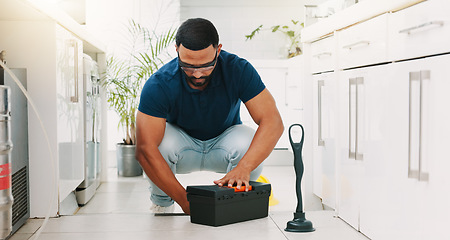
(52, 56)
(364, 43)
(350, 151)
(275, 80)
(363, 129)
(419, 165)
(284, 83)
(393, 139)
(434, 153)
(69, 110)
(351, 137)
(421, 30)
(392, 135)
(377, 136)
(324, 137)
(362, 122)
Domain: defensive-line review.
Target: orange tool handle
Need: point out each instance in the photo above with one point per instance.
(242, 189)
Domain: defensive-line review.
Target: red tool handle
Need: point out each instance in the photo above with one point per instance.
(242, 189)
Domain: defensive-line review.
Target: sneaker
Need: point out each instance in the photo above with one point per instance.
(160, 209)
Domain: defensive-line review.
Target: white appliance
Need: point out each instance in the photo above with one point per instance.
(92, 107)
(19, 153)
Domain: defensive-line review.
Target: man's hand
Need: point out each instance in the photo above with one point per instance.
(239, 176)
(185, 207)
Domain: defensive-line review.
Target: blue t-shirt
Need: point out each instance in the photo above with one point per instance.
(203, 114)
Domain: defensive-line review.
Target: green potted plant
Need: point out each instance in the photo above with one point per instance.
(292, 32)
(124, 79)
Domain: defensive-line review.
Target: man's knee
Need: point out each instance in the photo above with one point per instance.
(241, 138)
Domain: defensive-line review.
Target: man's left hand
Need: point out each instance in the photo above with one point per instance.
(238, 177)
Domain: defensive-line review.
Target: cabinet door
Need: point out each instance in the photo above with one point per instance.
(362, 124)
(324, 137)
(419, 190)
(436, 141)
(374, 135)
(350, 169)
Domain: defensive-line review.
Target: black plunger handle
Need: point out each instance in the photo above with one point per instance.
(298, 166)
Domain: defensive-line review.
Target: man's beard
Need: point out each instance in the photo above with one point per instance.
(194, 81)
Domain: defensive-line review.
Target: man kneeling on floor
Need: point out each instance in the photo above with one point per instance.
(189, 120)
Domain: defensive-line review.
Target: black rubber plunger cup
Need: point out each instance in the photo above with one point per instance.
(299, 224)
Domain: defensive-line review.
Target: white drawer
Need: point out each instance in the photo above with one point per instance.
(364, 43)
(420, 30)
(323, 54)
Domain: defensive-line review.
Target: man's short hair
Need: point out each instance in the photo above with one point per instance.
(197, 34)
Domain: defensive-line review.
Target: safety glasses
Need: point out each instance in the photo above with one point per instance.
(188, 68)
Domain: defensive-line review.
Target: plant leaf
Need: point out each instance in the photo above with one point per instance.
(275, 28)
(125, 77)
(254, 32)
(290, 33)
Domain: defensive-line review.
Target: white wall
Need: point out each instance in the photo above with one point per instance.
(108, 21)
(235, 18)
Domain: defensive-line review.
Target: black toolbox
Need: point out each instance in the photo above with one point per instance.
(216, 206)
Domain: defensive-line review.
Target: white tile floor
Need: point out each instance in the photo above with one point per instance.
(120, 210)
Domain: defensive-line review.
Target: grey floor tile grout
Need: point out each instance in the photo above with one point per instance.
(279, 228)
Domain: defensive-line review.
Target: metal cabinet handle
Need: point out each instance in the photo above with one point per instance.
(354, 154)
(413, 76)
(75, 98)
(320, 84)
(424, 75)
(351, 154)
(423, 25)
(418, 174)
(360, 43)
(359, 82)
(324, 54)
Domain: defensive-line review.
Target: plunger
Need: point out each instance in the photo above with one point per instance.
(300, 223)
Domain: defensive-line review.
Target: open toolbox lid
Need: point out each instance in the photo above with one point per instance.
(214, 191)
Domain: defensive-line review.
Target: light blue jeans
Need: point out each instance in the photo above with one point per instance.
(185, 154)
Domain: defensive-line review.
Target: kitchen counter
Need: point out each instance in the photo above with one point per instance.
(354, 14)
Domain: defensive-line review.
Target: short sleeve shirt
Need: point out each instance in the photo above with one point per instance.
(203, 114)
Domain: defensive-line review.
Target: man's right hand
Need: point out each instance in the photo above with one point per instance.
(185, 207)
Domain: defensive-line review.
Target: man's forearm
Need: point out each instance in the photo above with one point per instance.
(264, 141)
(162, 176)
